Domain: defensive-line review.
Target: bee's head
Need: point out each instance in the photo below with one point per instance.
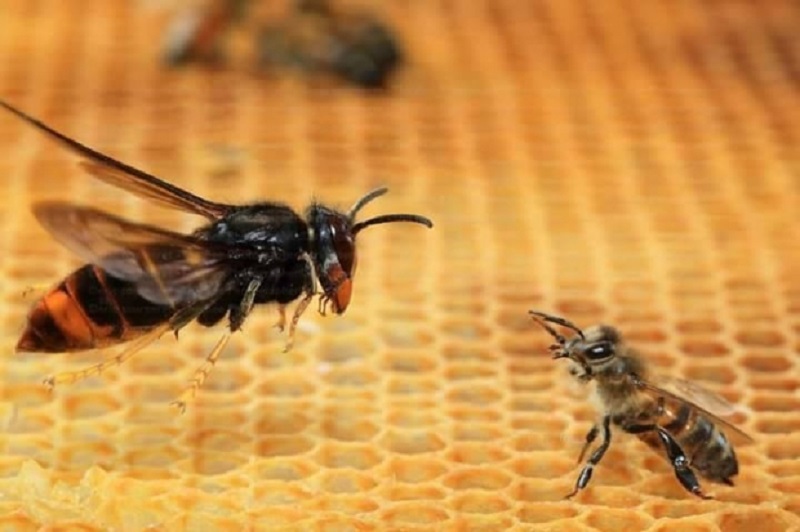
(334, 245)
(590, 350)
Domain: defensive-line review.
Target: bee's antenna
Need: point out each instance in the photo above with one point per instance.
(369, 196)
(559, 338)
(541, 318)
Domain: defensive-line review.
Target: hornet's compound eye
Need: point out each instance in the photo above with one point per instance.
(340, 264)
(344, 244)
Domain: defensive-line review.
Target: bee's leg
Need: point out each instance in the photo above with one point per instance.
(69, 377)
(590, 437)
(675, 454)
(237, 316)
(680, 463)
(594, 459)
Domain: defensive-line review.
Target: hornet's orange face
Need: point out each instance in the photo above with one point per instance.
(334, 245)
(335, 258)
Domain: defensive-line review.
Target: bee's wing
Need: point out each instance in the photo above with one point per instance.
(127, 177)
(710, 404)
(167, 268)
(697, 394)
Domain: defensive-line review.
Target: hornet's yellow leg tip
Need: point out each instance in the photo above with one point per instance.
(179, 405)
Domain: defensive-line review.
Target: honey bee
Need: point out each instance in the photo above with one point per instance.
(315, 36)
(672, 415)
(141, 281)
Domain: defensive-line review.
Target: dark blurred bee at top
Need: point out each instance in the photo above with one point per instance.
(142, 281)
(672, 415)
(313, 37)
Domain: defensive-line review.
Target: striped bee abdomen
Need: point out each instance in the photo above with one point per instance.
(88, 310)
(708, 449)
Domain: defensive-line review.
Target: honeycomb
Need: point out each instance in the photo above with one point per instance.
(636, 163)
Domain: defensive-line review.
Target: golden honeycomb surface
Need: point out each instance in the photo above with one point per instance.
(635, 163)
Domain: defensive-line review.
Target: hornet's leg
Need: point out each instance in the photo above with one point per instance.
(281, 323)
(240, 313)
(298, 311)
(594, 459)
(237, 318)
(35, 291)
(310, 290)
(201, 374)
(70, 377)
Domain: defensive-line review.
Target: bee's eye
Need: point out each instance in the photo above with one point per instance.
(599, 351)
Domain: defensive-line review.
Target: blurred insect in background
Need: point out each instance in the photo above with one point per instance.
(672, 415)
(314, 36)
(142, 281)
(318, 37)
(197, 32)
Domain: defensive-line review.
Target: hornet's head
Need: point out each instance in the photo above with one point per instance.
(334, 245)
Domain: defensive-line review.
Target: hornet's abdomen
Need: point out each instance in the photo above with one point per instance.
(88, 310)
